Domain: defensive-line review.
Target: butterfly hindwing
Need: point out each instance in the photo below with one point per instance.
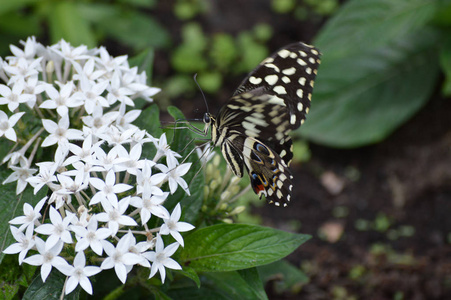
(268, 173)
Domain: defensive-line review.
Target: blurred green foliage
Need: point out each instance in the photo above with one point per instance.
(82, 22)
(214, 57)
(380, 66)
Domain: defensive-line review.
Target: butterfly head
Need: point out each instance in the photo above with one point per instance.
(209, 121)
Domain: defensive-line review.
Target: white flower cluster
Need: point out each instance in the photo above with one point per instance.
(102, 192)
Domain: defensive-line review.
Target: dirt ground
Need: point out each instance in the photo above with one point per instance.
(379, 215)
(384, 233)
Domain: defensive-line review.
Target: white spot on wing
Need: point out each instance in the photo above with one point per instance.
(293, 119)
(301, 62)
(302, 81)
(285, 79)
(255, 80)
(284, 53)
(300, 106)
(279, 89)
(300, 93)
(271, 79)
(289, 71)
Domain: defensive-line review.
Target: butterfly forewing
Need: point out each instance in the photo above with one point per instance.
(252, 127)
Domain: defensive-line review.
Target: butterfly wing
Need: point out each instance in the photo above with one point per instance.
(270, 102)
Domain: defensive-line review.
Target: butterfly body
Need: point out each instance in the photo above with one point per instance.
(252, 127)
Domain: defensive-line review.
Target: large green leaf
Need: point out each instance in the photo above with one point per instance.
(363, 98)
(362, 25)
(222, 286)
(378, 69)
(229, 247)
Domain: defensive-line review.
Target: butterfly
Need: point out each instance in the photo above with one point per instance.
(252, 127)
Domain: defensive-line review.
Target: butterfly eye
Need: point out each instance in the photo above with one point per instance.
(207, 118)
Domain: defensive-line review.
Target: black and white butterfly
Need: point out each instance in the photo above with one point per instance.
(252, 127)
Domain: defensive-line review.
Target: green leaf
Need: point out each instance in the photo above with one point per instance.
(362, 98)
(252, 278)
(360, 26)
(285, 274)
(13, 276)
(220, 286)
(182, 143)
(66, 22)
(51, 289)
(189, 273)
(229, 247)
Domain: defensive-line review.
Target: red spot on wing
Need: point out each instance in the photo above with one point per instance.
(258, 188)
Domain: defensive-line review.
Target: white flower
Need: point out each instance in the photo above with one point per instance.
(98, 122)
(161, 258)
(60, 133)
(57, 230)
(108, 189)
(62, 100)
(115, 216)
(119, 257)
(21, 174)
(21, 69)
(116, 92)
(13, 97)
(30, 217)
(24, 242)
(134, 162)
(145, 178)
(163, 149)
(173, 226)
(149, 205)
(108, 62)
(6, 125)
(90, 236)
(79, 273)
(47, 258)
(45, 176)
(174, 174)
(91, 93)
(65, 50)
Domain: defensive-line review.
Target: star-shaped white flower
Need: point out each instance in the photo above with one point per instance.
(79, 273)
(91, 236)
(13, 97)
(62, 100)
(174, 175)
(47, 258)
(174, 227)
(161, 258)
(119, 257)
(107, 189)
(7, 124)
(24, 242)
(115, 216)
(150, 204)
(30, 217)
(20, 174)
(60, 133)
(57, 230)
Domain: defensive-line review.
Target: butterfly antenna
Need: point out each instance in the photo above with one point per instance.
(202, 92)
